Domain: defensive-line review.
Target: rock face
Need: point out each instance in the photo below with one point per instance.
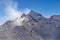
(31, 26)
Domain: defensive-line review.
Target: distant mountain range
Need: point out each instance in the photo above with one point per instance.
(31, 26)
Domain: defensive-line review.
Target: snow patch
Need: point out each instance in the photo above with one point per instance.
(26, 11)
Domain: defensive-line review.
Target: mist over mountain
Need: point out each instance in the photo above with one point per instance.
(31, 26)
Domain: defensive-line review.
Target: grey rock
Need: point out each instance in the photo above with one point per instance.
(33, 27)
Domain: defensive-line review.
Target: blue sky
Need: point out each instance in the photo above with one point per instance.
(10, 9)
(45, 7)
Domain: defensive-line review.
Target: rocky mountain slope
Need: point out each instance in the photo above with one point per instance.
(31, 26)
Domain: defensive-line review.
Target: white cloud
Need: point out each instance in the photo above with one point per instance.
(12, 12)
(10, 9)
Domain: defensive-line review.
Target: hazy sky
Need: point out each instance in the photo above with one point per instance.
(10, 9)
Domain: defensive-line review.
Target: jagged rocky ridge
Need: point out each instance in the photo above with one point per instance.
(31, 26)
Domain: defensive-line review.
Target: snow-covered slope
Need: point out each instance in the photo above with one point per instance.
(31, 26)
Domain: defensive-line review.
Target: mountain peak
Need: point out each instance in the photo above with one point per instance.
(33, 13)
(28, 11)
